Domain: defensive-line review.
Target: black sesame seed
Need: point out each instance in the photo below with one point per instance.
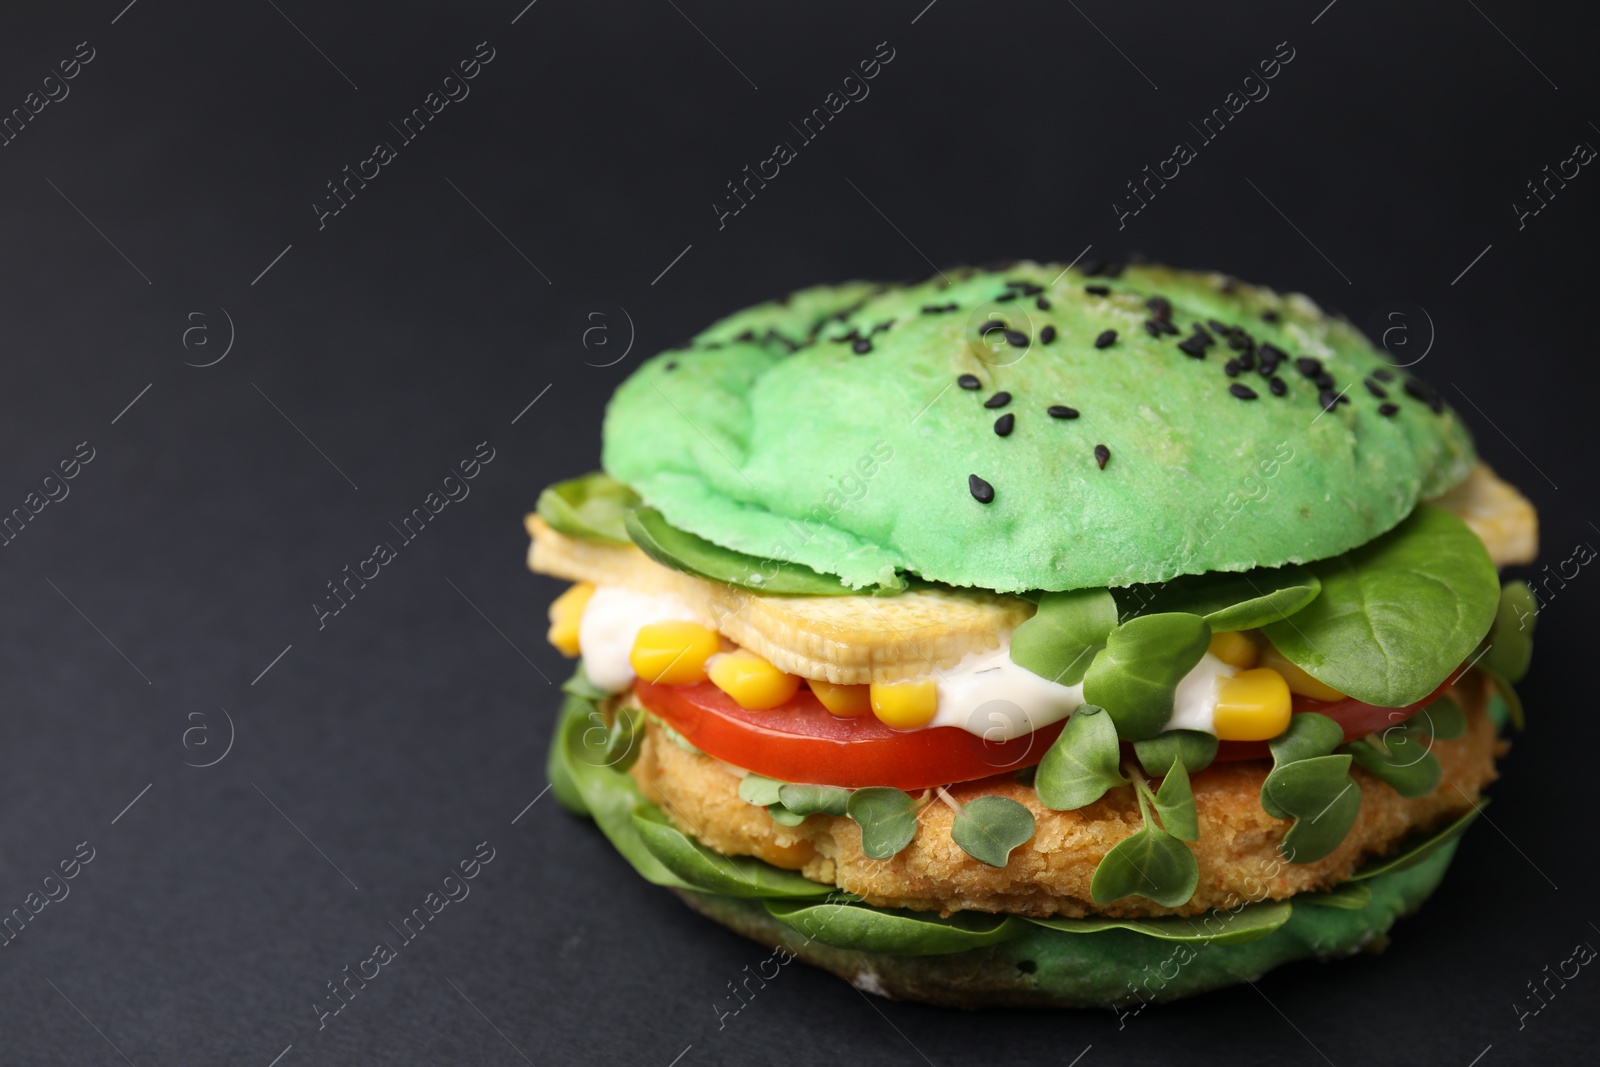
(1200, 332)
(1102, 455)
(1328, 399)
(748, 335)
(1220, 327)
(1047, 335)
(1308, 366)
(1017, 285)
(1388, 410)
(1193, 347)
(969, 381)
(1106, 339)
(1004, 424)
(1166, 326)
(981, 490)
(1151, 328)
(1042, 304)
(1243, 392)
(991, 326)
(935, 309)
(1240, 341)
(672, 364)
(1016, 339)
(1418, 390)
(1376, 390)
(1247, 360)
(1114, 270)
(999, 400)
(1061, 411)
(1383, 375)
(1269, 316)
(1160, 307)
(1323, 380)
(861, 346)
(1005, 297)
(1231, 369)
(1271, 356)
(1092, 267)
(1097, 290)
(1277, 386)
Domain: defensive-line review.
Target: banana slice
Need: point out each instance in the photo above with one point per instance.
(1503, 518)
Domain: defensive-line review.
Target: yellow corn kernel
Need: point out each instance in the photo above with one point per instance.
(1299, 681)
(673, 653)
(845, 701)
(1235, 649)
(752, 682)
(905, 705)
(566, 611)
(1251, 706)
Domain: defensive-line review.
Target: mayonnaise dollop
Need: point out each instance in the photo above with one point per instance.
(611, 623)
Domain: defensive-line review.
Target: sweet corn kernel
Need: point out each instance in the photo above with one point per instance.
(673, 653)
(905, 705)
(1235, 649)
(1299, 681)
(1251, 706)
(566, 611)
(845, 701)
(752, 682)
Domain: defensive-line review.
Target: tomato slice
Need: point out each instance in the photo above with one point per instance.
(801, 741)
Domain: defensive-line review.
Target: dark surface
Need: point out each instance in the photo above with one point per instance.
(413, 726)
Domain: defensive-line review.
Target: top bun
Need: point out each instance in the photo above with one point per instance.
(865, 429)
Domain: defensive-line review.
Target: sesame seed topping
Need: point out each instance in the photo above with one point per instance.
(861, 346)
(1308, 366)
(1376, 390)
(1388, 410)
(1193, 347)
(1102, 455)
(1383, 375)
(969, 381)
(1200, 332)
(1242, 391)
(1016, 339)
(1277, 386)
(1006, 297)
(1004, 424)
(999, 400)
(1247, 360)
(1042, 304)
(1324, 380)
(1047, 335)
(935, 309)
(981, 490)
(1165, 326)
(991, 326)
(1231, 368)
(1328, 399)
(1061, 411)
(1092, 267)
(1160, 307)
(1097, 290)
(1269, 316)
(1151, 328)
(1106, 339)
(672, 364)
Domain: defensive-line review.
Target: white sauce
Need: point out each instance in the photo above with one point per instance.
(985, 694)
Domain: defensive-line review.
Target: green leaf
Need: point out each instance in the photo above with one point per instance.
(1403, 762)
(1442, 719)
(894, 933)
(1417, 847)
(759, 790)
(1240, 601)
(1250, 923)
(1350, 896)
(1511, 640)
(1174, 802)
(988, 828)
(783, 816)
(1082, 764)
(1321, 797)
(579, 685)
(1513, 702)
(1135, 675)
(811, 799)
(712, 872)
(1195, 748)
(591, 507)
(1396, 614)
(1153, 864)
(683, 551)
(887, 817)
(1308, 735)
(1064, 635)
(622, 740)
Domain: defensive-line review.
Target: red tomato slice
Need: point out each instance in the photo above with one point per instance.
(801, 741)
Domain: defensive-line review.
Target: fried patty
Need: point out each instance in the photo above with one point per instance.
(1050, 873)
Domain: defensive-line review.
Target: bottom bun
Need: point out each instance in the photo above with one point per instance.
(1111, 969)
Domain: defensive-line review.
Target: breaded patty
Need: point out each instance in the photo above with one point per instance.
(1050, 873)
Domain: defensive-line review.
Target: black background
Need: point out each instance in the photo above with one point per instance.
(412, 327)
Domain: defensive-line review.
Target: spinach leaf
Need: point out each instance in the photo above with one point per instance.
(1135, 675)
(1408, 767)
(1083, 762)
(1417, 847)
(1396, 614)
(894, 933)
(1511, 640)
(1174, 802)
(988, 828)
(887, 817)
(1321, 797)
(683, 551)
(1064, 635)
(1239, 601)
(1151, 863)
(623, 739)
(1308, 735)
(758, 789)
(1250, 923)
(1513, 701)
(1195, 748)
(591, 507)
(1350, 896)
(783, 816)
(810, 799)
(712, 872)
